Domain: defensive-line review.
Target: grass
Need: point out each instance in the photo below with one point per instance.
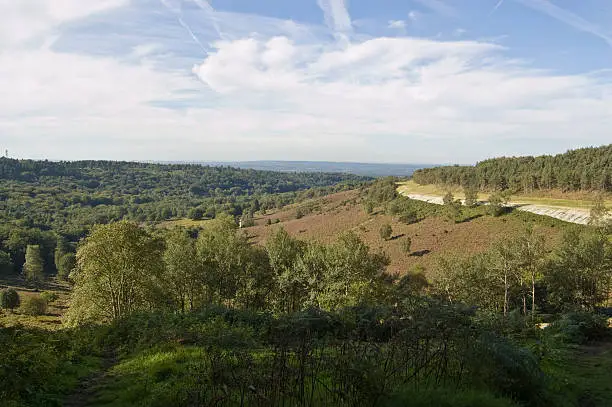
(582, 375)
(187, 223)
(561, 200)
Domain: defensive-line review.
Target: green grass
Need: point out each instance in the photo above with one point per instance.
(448, 398)
(187, 223)
(583, 375)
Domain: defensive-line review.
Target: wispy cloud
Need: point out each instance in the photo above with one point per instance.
(439, 7)
(569, 18)
(397, 24)
(337, 17)
(276, 88)
(498, 5)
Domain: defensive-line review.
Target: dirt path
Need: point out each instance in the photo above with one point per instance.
(85, 393)
(572, 215)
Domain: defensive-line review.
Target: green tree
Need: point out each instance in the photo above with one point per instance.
(9, 299)
(386, 231)
(33, 267)
(353, 275)
(119, 271)
(284, 252)
(66, 265)
(496, 204)
(579, 274)
(183, 277)
(471, 196)
(448, 198)
(6, 264)
(599, 214)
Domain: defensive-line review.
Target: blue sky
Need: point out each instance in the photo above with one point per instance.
(436, 81)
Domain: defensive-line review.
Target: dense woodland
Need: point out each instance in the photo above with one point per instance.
(54, 204)
(587, 169)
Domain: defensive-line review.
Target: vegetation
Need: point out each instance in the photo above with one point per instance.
(587, 169)
(53, 205)
(203, 316)
(9, 299)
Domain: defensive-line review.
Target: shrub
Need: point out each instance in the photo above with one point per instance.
(35, 306)
(386, 231)
(9, 299)
(407, 245)
(49, 296)
(579, 327)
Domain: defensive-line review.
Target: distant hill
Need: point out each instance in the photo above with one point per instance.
(363, 169)
(585, 169)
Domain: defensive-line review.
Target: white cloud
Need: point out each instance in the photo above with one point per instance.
(413, 15)
(24, 20)
(277, 89)
(397, 24)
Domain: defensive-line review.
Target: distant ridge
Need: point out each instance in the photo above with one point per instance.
(363, 169)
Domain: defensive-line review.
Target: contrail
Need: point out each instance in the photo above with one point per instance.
(337, 17)
(179, 12)
(210, 12)
(498, 5)
(191, 33)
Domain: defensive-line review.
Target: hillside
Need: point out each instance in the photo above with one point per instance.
(586, 169)
(432, 238)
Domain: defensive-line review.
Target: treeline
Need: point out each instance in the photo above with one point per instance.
(43, 203)
(586, 169)
(177, 270)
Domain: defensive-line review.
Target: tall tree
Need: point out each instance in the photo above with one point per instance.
(119, 271)
(185, 282)
(33, 267)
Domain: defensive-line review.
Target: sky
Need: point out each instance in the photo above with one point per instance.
(403, 81)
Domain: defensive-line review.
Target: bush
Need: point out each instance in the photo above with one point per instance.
(407, 245)
(386, 231)
(579, 327)
(34, 306)
(49, 296)
(9, 299)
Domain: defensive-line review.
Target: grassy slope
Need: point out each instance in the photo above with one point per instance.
(548, 198)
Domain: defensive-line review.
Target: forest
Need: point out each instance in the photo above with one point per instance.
(585, 169)
(54, 204)
(200, 317)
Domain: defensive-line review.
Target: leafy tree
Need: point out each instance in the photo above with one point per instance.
(33, 267)
(284, 252)
(222, 253)
(9, 299)
(119, 271)
(579, 274)
(599, 213)
(353, 275)
(471, 196)
(448, 198)
(6, 264)
(183, 277)
(66, 265)
(386, 231)
(496, 204)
